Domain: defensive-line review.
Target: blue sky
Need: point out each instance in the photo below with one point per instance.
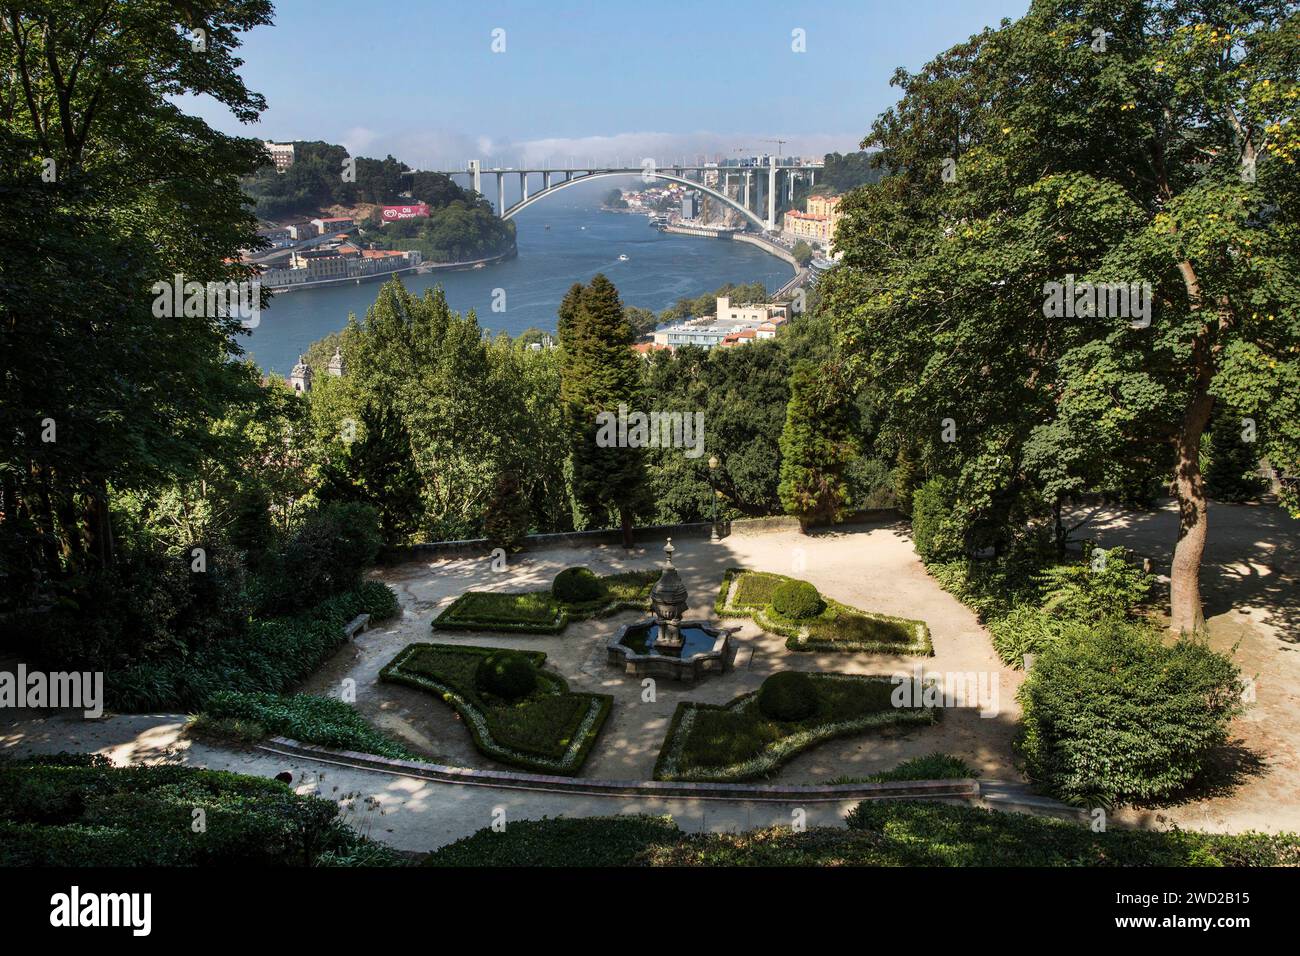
(590, 80)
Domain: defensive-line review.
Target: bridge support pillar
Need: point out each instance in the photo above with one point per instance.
(523, 186)
(474, 174)
(745, 198)
(771, 196)
(501, 195)
(546, 179)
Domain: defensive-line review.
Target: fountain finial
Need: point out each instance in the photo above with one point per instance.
(669, 550)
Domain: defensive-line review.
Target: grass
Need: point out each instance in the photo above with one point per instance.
(552, 730)
(736, 741)
(248, 718)
(839, 627)
(539, 612)
(891, 833)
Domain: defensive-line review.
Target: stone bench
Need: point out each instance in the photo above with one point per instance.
(356, 626)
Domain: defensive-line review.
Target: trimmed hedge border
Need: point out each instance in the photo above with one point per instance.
(449, 620)
(781, 751)
(795, 631)
(476, 720)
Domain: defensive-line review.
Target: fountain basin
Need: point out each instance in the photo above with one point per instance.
(705, 649)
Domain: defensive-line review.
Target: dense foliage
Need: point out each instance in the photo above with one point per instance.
(1109, 713)
(797, 600)
(576, 585)
(250, 717)
(78, 810)
(878, 834)
(506, 675)
(1031, 155)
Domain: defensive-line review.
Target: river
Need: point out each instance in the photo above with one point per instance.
(582, 241)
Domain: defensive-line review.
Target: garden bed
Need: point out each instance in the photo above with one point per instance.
(838, 627)
(733, 742)
(539, 612)
(550, 731)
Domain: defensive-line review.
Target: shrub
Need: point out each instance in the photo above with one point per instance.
(1107, 585)
(932, 505)
(68, 812)
(576, 586)
(1111, 714)
(788, 696)
(584, 841)
(325, 555)
(305, 717)
(506, 675)
(797, 600)
(1026, 630)
(507, 519)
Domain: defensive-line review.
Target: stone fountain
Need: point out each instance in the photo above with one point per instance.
(665, 645)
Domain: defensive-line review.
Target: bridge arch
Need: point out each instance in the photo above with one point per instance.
(657, 174)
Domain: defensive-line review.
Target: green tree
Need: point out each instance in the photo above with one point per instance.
(817, 445)
(802, 252)
(507, 519)
(1035, 154)
(378, 468)
(600, 373)
(109, 188)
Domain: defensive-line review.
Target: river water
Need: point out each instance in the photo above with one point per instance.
(582, 241)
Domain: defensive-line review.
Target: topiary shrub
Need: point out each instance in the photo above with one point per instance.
(1111, 714)
(932, 504)
(797, 600)
(507, 675)
(787, 696)
(576, 586)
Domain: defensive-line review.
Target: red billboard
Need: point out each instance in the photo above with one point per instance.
(391, 213)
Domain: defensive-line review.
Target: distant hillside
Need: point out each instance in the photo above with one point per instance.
(461, 225)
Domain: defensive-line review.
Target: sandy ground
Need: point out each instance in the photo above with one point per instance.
(869, 567)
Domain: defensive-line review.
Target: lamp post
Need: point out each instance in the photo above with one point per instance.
(713, 494)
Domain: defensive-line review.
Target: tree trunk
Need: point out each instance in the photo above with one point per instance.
(625, 517)
(1186, 612)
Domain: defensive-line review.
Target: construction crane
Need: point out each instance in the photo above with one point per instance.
(779, 144)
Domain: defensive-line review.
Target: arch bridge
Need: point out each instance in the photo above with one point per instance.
(554, 180)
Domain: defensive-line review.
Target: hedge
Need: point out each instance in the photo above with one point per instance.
(737, 742)
(79, 810)
(551, 731)
(838, 628)
(902, 833)
(540, 612)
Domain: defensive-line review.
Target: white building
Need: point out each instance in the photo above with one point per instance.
(281, 154)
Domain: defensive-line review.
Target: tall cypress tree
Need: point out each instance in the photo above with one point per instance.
(817, 445)
(600, 372)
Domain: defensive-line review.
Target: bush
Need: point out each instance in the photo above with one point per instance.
(305, 717)
(576, 586)
(1026, 630)
(508, 517)
(788, 696)
(1111, 714)
(507, 675)
(932, 505)
(65, 811)
(797, 600)
(593, 841)
(324, 556)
